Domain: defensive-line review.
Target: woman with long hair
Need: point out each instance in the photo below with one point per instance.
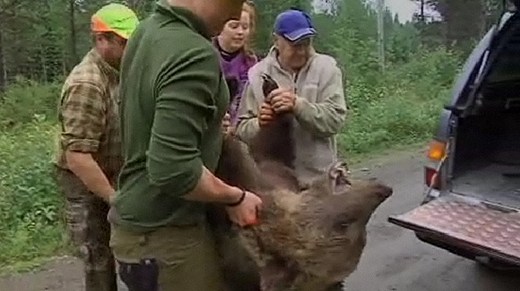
(236, 55)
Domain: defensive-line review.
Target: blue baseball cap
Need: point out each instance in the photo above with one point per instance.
(294, 25)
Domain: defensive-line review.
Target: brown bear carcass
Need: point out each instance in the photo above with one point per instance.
(311, 235)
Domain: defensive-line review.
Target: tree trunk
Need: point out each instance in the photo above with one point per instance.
(3, 72)
(73, 41)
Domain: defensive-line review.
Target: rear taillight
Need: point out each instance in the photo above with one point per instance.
(436, 154)
(436, 150)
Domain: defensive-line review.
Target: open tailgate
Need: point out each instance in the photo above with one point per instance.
(467, 224)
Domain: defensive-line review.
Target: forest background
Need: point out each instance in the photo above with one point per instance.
(392, 104)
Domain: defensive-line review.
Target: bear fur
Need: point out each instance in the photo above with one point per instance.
(310, 237)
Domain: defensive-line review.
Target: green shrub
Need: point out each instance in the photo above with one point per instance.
(401, 108)
(30, 206)
(28, 100)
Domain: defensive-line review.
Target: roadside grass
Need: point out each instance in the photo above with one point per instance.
(30, 206)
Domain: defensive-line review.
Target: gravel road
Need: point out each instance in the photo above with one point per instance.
(393, 260)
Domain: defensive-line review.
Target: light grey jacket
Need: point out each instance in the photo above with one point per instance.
(320, 109)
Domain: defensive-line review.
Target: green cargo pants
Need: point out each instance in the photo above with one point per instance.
(171, 258)
(89, 231)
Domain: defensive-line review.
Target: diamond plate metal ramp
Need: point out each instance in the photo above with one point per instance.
(464, 223)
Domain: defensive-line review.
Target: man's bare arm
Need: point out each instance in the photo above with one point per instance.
(212, 189)
(88, 171)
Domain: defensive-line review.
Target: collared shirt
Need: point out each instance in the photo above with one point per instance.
(88, 114)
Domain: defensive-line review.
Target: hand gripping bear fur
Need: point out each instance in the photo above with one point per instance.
(309, 238)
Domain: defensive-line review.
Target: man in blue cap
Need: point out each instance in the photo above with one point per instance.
(293, 36)
(311, 87)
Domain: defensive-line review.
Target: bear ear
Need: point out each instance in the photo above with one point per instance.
(268, 85)
(339, 177)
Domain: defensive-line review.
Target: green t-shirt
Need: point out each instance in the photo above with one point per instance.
(173, 99)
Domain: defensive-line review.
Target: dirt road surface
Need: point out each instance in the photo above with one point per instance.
(394, 259)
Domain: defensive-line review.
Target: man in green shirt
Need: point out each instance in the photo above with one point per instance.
(173, 101)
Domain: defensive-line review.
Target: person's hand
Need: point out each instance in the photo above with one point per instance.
(266, 114)
(245, 213)
(282, 100)
(226, 123)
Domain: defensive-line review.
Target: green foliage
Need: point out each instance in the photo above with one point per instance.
(28, 100)
(30, 206)
(399, 105)
(403, 107)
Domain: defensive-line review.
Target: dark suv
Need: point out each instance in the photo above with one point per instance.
(472, 176)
